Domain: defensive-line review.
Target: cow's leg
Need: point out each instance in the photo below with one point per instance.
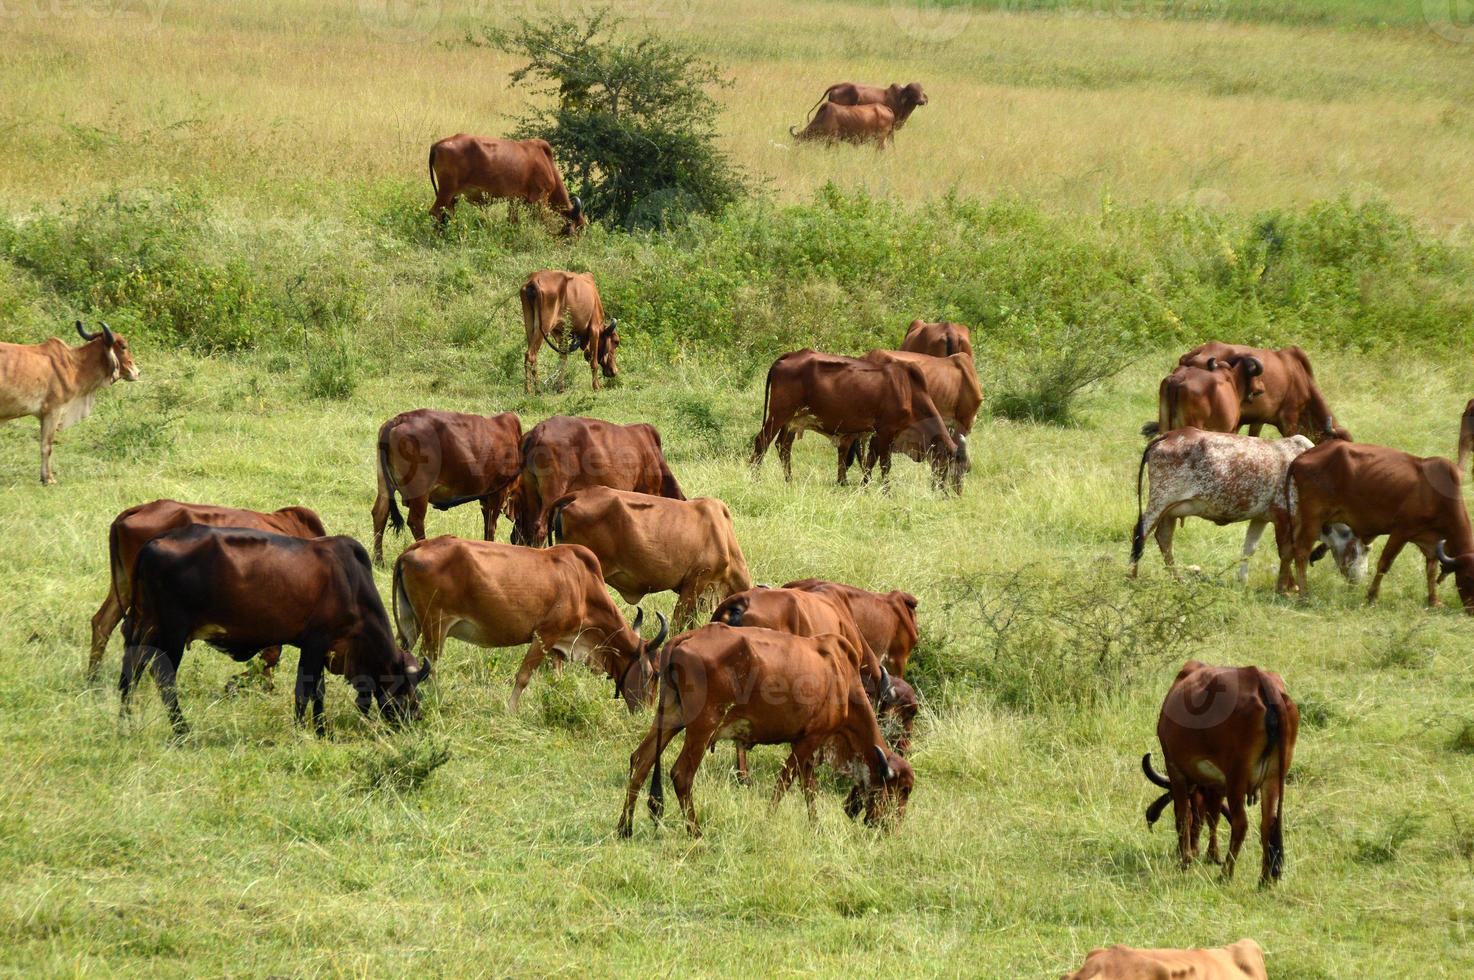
(165, 668)
(683, 773)
(1251, 541)
(848, 449)
(1305, 536)
(535, 654)
(309, 686)
(1182, 803)
(744, 775)
(48, 436)
(490, 504)
(135, 658)
(104, 621)
(381, 518)
(641, 761)
(417, 507)
(1271, 831)
(1166, 528)
(1238, 822)
(1212, 810)
(780, 411)
(785, 453)
(444, 206)
(1146, 525)
(1285, 580)
(1431, 570)
(1393, 548)
(529, 364)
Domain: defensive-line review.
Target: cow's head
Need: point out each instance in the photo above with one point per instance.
(1349, 551)
(731, 610)
(577, 221)
(398, 691)
(1462, 568)
(1243, 370)
(884, 785)
(634, 672)
(608, 344)
(913, 95)
(115, 347)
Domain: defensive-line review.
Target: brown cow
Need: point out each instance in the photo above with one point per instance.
(1228, 734)
(500, 595)
(899, 99)
(1250, 386)
(1244, 960)
(850, 124)
(482, 167)
(647, 544)
(242, 591)
(57, 384)
(763, 687)
(556, 302)
(887, 620)
(137, 526)
(952, 383)
(567, 453)
(1375, 490)
(442, 460)
(938, 339)
(1466, 435)
(846, 396)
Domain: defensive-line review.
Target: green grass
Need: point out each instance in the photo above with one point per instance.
(254, 848)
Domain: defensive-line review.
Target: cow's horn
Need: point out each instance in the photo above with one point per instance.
(1444, 560)
(660, 636)
(1212, 364)
(83, 331)
(887, 690)
(422, 671)
(1256, 367)
(639, 618)
(107, 333)
(577, 211)
(884, 765)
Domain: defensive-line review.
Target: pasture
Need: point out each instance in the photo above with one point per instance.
(305, 305)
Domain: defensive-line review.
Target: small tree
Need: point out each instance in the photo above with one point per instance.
(632, 124)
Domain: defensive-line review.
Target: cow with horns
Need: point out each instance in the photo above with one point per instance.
(564, 311)
(57, 384)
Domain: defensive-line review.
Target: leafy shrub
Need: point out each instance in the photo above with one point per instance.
(332, 371)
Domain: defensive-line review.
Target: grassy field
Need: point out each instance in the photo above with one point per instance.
(1119, 179)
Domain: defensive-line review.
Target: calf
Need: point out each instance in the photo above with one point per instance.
(900, 99)
(57, 384)
(242, 591)
(500, 595)
(763, 687)
(938, 339)
(1226, 479)
(442, 460)
(648, 544)
(1228, 734)
(137, 526)
(886, 620)
(567, 453)
(849, 124)
(843, 397)
(1375, 490)
(557, 304)
(1244, 960)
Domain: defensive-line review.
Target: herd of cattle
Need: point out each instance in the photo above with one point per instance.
(816, 665)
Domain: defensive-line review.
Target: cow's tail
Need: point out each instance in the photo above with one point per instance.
(853, 456)
(1274, 737)
(1138, 534)
(815, 107)
(433, 185)
(116, 568)
(386, 473)
(405, 623)
(657, 784)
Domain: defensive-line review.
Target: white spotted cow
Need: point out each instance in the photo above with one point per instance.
(1228, 478)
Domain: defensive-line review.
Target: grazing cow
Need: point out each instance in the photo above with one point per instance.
(1244, 960)
(57, 384)
(442, 460)
(242, 591)
(482, 168)
(886, 620)
(1466, 435)
(1224, 387)
(137, 526)
(850, 124)
(763, 687)
(846, 396)
(501, 595)
(937, 339)
(899, 99)
(647, 544)
(555, 303)
(1375, 490)
(815, 614)
(1227, 734)
(1227, 478)
(952, 383)
(567, 453)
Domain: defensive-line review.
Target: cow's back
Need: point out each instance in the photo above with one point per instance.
(1243, 960)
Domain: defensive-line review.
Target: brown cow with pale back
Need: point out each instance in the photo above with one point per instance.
(137, 526)
(1243, 960)
(843, 397)
(501, 595)
(763, 687)
(567, 453)
(646, 543)
(1228, 736)
(557, 304)
(886, 620)
(941, 339)
(442, 460)
(850, 124)
(57, 384)
(899, 99)
(482, 168)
